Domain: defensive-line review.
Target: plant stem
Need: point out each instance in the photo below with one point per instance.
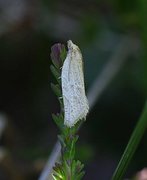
(72, 168)
(132, 146)
(68, 153)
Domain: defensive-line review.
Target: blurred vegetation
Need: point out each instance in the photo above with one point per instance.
(28, 30)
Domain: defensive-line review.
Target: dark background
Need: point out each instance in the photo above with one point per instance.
(28, 29)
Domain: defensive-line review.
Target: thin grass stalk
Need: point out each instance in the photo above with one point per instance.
(132, 146)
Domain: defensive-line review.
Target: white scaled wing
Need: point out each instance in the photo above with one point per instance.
(73, 90)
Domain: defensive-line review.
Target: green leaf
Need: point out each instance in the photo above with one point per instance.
(56, 73)
(80, 175)
(57, 177)
(132, 146)
(79, 166)
(56, 89)
(58, 120)
(61, 139)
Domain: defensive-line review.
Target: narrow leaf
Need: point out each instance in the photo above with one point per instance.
(56, 89)
(56, 73)
(132, 146)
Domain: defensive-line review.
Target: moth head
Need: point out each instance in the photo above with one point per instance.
(72, 48)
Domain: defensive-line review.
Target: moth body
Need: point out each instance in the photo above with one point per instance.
(73, 90)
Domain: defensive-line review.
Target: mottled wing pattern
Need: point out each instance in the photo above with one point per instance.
(73, 89)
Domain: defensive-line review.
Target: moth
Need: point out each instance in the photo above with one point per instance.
(73, 89)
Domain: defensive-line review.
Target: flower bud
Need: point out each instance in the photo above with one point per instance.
(57, 51)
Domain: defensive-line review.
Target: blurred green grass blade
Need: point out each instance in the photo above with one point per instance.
(132, 146)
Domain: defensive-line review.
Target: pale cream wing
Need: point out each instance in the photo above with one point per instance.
(73, 89)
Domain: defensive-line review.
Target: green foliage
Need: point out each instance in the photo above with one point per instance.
(63, 172)
(56, 73)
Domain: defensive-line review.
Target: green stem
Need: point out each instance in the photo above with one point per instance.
(132, 146)
(68, 151)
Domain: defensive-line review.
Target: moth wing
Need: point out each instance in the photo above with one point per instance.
(73, 89)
